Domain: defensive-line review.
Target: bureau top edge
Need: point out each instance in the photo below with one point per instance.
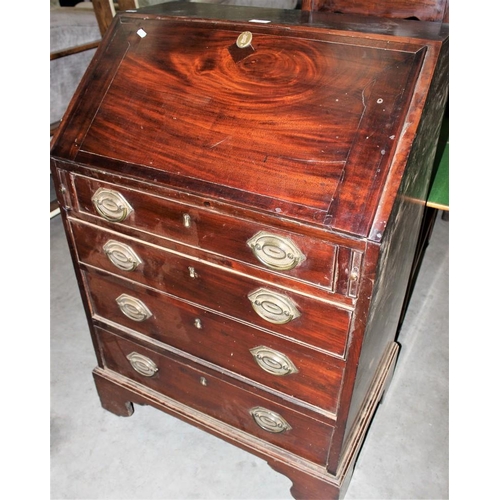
(296, 18)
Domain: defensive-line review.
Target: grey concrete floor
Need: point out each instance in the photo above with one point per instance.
(151, 455)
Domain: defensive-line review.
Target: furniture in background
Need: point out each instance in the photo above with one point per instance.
(422, 10)
(106, 9)
(74, 37)
(439, 195)
(242, 202)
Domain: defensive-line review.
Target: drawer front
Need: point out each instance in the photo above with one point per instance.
(302, 373)
(252, 413)
(302, 318)
(285, 253)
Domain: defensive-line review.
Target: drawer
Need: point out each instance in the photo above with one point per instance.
(307, 375)
(285, 253)
(200, 389)
(303, 318)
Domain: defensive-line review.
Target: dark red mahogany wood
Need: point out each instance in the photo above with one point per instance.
(243, 220)
(423, 10)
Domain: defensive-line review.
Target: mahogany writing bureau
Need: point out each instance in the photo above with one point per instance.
(242, 191)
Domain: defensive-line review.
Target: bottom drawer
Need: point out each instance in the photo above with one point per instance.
(205, 392)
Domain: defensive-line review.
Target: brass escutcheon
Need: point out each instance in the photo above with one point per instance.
(186, 220)
(244, 39)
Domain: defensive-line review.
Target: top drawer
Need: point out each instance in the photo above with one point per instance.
(282, 252)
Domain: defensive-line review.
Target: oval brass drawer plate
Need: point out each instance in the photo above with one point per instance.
(273, 307)
(142, 364)
(272, 361)
(122, 256)
(269, 420)
(275, 252)
(111, 205)
(133, 308)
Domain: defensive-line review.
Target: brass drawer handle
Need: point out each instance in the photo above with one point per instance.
(111, 205)
(121, 255)
(269, 420)
(142, 364)
(273, 307)
(133, 308)
(272, 361)
(275, 252)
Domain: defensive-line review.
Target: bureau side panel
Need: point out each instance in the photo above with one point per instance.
(400, 240)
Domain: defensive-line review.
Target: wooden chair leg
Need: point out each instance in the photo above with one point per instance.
(104, 11)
